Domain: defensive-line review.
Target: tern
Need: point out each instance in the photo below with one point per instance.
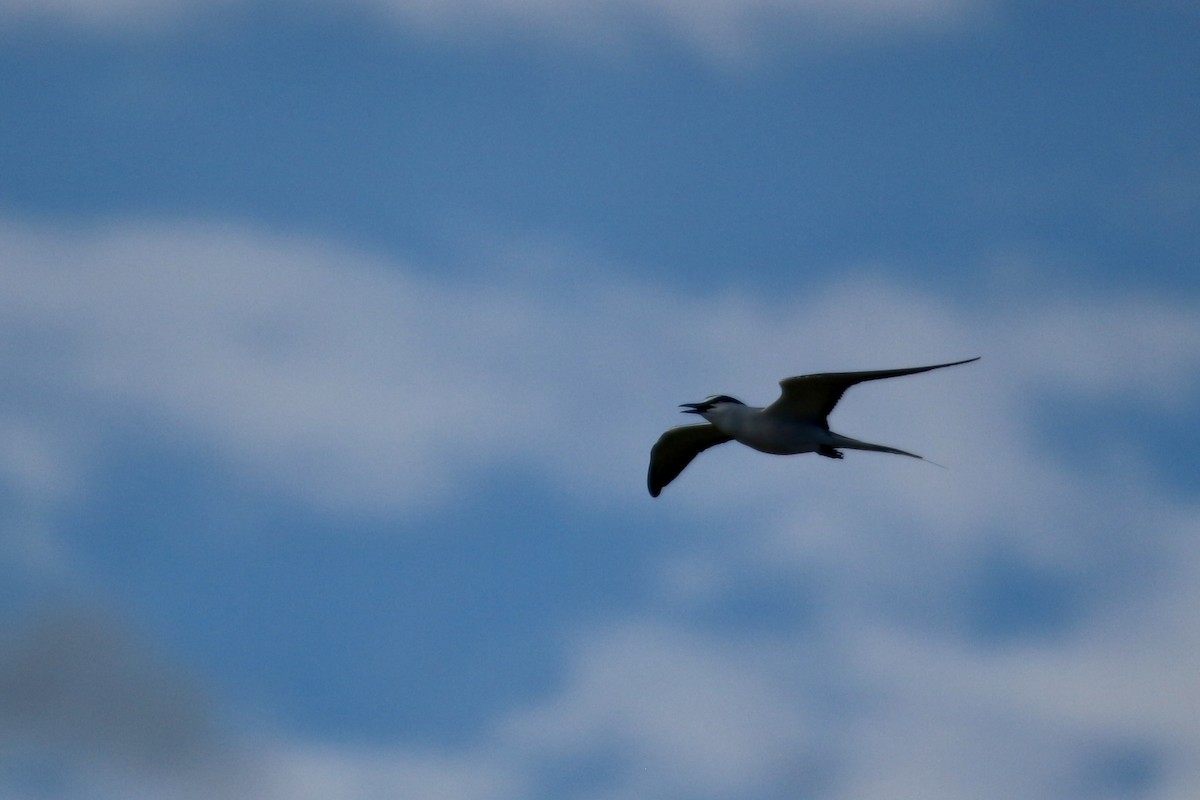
(798, 422)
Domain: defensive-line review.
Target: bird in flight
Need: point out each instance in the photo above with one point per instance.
(798, 422)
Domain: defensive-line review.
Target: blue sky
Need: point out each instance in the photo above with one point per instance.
(335, 338)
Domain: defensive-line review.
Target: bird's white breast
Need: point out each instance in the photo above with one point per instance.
(768, 433)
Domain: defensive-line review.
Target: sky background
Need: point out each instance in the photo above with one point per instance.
(335, 335)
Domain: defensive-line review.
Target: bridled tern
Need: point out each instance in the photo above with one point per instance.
(798, 422)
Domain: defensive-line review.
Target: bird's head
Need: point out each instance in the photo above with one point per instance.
(711, 404)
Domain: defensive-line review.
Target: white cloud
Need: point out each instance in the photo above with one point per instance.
(356, 383)
(298, 771)
(133, 15)
(648, 708)
(722, 29)
(320, 372)
(349, 381)
(685, 715)
(725, 29)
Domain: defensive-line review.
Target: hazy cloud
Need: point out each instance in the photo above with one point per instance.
(83, 700)
(348, 381)
(722, 29)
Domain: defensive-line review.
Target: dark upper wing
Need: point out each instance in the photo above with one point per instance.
(814, 396)
(675, 449)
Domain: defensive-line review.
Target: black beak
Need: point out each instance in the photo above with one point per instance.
(693, 408)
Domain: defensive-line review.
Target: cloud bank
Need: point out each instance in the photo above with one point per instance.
(347, 383)
(721, 29)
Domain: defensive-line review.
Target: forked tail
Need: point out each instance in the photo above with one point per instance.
(846, 443)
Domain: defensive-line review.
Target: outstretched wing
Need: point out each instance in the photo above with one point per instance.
(812, 397)
(676, 448)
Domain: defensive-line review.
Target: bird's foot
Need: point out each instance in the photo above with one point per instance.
(829, 452)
